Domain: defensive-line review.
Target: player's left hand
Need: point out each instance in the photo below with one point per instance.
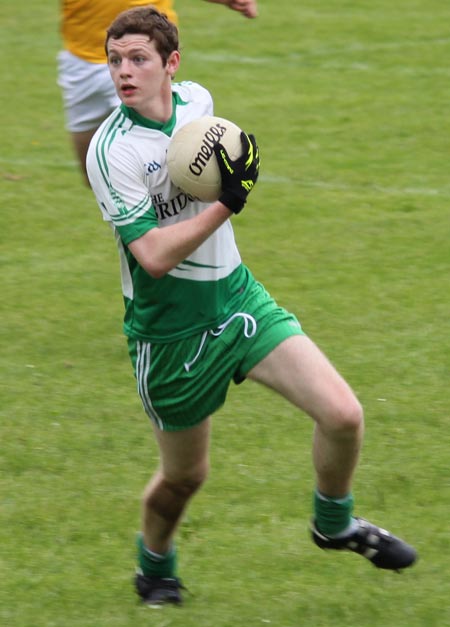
(238, 176)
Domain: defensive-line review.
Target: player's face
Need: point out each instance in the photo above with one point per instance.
(138, 72)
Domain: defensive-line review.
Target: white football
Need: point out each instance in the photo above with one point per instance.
(191, 161)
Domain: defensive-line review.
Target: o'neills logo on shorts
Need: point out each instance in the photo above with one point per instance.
(210, 139)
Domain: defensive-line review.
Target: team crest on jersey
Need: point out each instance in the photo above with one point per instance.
(152, 166)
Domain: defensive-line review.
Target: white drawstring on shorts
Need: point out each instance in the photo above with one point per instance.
(248, 332)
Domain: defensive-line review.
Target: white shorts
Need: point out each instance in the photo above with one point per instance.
(88, 92)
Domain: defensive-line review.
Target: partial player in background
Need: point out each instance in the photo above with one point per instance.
(83, 75)
(195, 317)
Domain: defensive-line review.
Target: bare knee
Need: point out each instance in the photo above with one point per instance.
(186, 486)
(167, 492)
(344, 419)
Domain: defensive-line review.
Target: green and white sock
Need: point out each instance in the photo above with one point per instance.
(333, 517)
(154, 564)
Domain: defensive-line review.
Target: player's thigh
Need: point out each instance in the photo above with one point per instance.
(184, 454)
(88, 92)
(298, 370)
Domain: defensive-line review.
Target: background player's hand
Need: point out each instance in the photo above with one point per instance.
(248, 8)
(239, 176)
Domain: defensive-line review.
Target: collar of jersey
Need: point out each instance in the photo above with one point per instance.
(164, 127)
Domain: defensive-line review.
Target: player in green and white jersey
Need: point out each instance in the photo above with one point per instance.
(127, 169)
(195, 317)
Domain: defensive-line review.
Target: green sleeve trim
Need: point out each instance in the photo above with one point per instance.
(138, 228)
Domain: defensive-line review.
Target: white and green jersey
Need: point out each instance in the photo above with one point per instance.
(127, 169)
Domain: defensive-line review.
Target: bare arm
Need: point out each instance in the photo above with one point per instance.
(249, 8)
(161, 249)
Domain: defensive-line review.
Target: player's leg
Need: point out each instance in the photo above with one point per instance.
(179, 401)
(81, 141)
(184, 465)
(299, 371)
(89, 97)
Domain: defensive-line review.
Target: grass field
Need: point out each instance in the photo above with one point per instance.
(349, 227)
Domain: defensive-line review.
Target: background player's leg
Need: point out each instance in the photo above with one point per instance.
(81, 143)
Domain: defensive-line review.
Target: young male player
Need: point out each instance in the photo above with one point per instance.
(196, 318)
(83, 75)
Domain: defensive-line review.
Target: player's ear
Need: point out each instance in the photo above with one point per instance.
(173, 63)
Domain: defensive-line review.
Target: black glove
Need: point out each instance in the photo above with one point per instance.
(240, 176)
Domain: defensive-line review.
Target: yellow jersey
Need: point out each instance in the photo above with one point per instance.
(84, 23)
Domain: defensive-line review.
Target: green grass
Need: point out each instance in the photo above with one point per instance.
(349, 227)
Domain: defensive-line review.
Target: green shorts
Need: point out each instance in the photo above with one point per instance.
(182, 383)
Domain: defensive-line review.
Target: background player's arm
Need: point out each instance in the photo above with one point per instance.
(161, 249)
(249, 8)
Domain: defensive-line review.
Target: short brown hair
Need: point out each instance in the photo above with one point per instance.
(146, 21)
